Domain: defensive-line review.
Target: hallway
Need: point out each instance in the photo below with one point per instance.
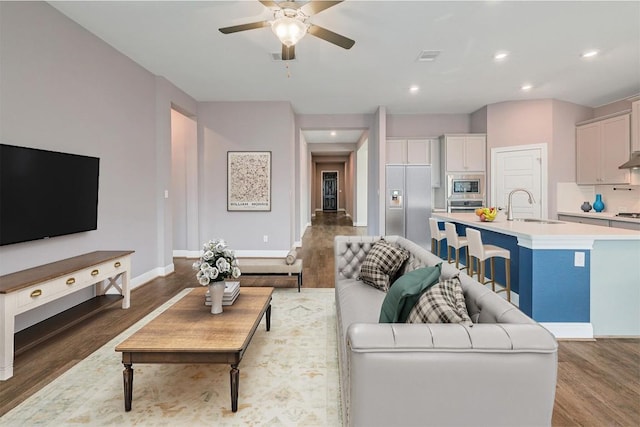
(317, 247)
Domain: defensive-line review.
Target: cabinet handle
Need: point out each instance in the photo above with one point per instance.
(36, 293)
(95, 272)
(71, 281)
(117, 264)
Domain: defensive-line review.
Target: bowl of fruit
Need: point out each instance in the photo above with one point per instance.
(487, 214)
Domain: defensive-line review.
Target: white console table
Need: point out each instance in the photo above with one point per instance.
(25, 290)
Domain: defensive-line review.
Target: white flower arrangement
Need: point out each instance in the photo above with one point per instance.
(216, 263)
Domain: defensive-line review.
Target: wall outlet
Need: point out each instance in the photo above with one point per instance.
(265, 238)
(578, 259)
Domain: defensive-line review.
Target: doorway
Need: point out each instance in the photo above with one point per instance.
(329, 191)
(520, 167)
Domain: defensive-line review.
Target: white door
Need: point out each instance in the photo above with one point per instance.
(520, 167)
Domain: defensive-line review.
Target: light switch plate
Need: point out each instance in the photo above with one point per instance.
(578, 259)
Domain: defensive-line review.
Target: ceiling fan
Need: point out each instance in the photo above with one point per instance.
(290, 24)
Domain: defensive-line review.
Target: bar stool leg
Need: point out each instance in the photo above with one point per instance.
(457, 258)
(507, 265)
(493, 274)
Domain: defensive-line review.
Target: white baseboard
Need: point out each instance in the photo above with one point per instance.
(569, 329)
(261, 254)
(241, 253)
(183, 253)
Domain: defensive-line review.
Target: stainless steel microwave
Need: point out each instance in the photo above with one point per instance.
(465, 187)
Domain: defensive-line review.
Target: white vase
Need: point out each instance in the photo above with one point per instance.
(216, 290)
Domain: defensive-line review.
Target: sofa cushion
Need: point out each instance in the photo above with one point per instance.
(381, 264)
(441, 303)
(405, 292)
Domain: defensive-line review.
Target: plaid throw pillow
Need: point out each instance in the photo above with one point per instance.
(381, 263)
(441, 303)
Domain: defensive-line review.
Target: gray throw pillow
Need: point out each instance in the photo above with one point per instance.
(441, 303)
(381, 263)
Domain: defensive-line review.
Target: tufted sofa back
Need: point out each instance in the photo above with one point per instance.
(483, 305)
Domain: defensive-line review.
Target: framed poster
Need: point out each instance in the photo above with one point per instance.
(248, 180)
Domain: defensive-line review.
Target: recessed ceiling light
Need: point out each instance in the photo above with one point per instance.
(526, 87)
(500, 56)
(589, 53)
(414, 89)
(333, 133)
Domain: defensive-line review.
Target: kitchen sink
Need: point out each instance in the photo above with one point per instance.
(538, 221)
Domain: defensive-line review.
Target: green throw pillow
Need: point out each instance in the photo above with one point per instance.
(405, 292)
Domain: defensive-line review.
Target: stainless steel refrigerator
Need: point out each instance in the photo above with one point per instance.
(408, 202)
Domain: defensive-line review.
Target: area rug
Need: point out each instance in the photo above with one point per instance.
(288, 377)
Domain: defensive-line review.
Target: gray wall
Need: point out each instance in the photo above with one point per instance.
(64, 89)
(246, 126)
(426, 125)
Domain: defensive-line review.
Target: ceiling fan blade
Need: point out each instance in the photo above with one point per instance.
(331, 37)
(317, 6)
(269, 4)
(288, 53)
(244, 27)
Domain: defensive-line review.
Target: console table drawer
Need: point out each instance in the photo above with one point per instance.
(44, 292)
(36, 295)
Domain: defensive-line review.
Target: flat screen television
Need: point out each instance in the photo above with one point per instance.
(45, 194)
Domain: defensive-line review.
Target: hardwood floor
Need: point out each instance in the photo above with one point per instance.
(598, 381)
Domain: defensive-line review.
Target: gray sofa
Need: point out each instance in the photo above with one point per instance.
(499, 372)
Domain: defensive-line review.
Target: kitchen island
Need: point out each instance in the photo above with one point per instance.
(578, 280)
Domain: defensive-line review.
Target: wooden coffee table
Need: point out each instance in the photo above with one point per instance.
(187, 332)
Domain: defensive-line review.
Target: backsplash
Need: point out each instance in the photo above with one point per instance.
(570, 197)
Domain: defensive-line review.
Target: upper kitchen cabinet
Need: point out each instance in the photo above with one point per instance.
(416, 151)
(635, 125)
(602, 146)
(464, 153)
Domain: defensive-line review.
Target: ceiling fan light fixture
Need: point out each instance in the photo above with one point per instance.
(289, 30)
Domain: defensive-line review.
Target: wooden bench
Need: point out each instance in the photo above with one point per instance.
(273, 266)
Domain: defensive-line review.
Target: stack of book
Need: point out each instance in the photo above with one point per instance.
(231, 292)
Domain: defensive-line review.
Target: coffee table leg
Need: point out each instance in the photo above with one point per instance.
(235, 379)
(269, 318)
(127, 375)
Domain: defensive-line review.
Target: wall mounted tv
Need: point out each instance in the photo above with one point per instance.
(45, 194)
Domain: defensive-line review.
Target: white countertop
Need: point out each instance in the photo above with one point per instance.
(602, 215)
(543, 236)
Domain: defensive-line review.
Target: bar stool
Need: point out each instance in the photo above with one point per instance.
(456, 242)
(437, 235)
(483, 252)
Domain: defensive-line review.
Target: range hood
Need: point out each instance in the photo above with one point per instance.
(634, 161)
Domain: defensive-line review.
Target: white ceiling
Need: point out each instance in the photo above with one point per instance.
(180, 41)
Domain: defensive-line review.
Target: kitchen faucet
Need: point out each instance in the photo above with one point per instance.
(510, 209)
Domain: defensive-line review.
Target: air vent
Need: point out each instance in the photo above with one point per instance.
(429, 55)
(277, 57)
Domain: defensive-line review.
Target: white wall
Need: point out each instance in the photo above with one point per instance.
(246, 126)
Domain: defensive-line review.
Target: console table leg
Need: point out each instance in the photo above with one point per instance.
(6, 335)
(235, 379)
(127, 375)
